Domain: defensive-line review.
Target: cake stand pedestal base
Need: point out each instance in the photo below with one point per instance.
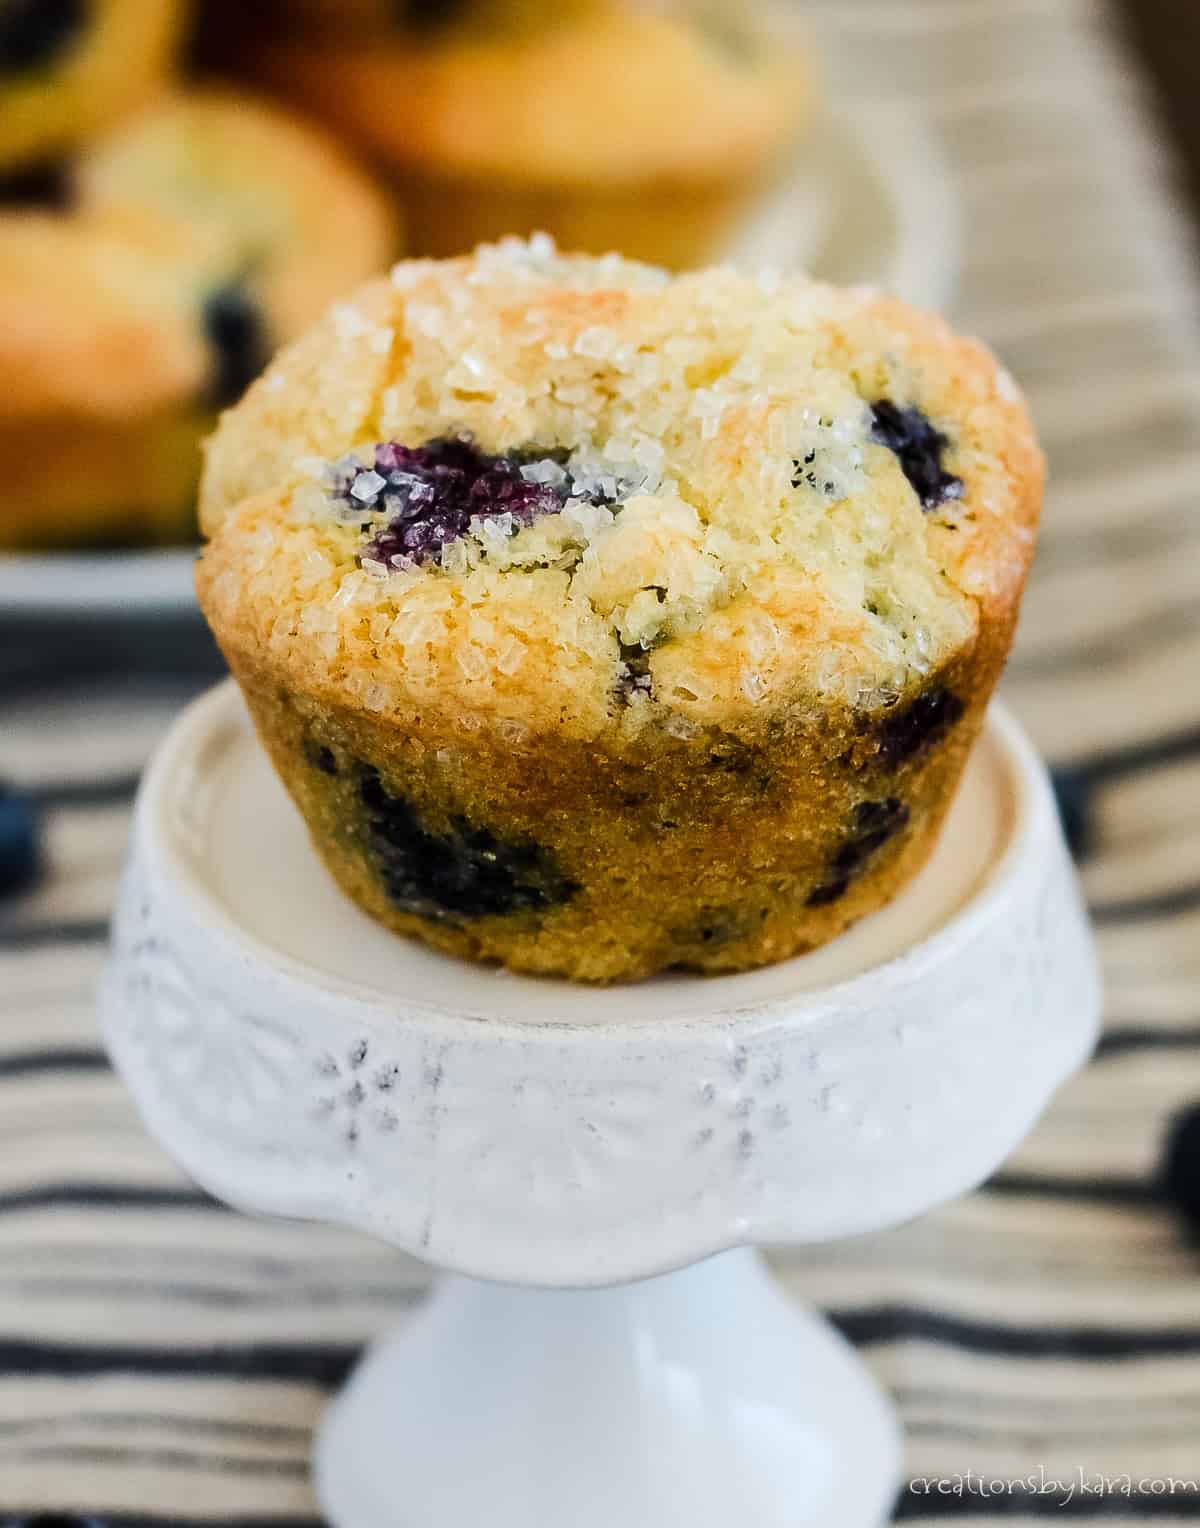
(703, 1398)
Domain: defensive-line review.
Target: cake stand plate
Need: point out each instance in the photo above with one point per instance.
(553, 1145)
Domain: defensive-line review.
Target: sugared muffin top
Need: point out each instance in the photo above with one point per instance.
(578, 494)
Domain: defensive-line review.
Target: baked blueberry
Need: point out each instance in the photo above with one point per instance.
(320, 756)
(1180, 1172)
(236, 329)
(918, 445)
(20, 849)
(431, 493)
(34, 34)
(461, 875)
(873, 824)
(919, 725)
(41, 185)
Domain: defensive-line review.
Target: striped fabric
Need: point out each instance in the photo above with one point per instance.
(162, 1360)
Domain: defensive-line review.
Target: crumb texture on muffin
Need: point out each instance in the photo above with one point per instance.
(707, 575)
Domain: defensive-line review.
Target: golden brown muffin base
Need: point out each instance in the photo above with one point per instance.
(711, 853)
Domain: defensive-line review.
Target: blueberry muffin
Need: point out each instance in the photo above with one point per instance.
(71, 68)
(292, 220)
(601, 622)
(610, 128)
(98, 425)
(199, 241)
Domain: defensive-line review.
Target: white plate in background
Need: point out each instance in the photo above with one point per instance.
(86, 584)
(867, 200)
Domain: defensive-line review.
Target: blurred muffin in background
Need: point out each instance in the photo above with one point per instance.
(71, 68)
(291, 219)
(347, 19)
(206, 233)
(108, 372)
(231, 33)
(612, 128)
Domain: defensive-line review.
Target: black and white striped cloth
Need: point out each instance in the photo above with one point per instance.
(162, 1360)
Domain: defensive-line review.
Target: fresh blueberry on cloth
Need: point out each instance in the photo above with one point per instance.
(1072, 795)
(54, 1520)
(1180, 1173)
(20, 851)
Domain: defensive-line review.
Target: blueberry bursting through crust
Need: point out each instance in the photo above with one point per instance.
(431, 493)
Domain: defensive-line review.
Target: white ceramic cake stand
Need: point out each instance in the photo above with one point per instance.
(554, 1145)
